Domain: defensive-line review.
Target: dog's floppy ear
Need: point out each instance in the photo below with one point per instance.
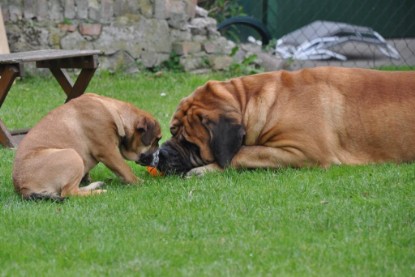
(146, 128)
(226, 140)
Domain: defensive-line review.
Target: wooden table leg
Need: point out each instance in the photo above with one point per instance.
(6, 138)
(8, 73)
(81, 83)
(63, 79)
(87, 64)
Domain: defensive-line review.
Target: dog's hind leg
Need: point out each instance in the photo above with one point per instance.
(74, 189)
(92, 186)
(82, 192)
(74, 171)
(53, 174)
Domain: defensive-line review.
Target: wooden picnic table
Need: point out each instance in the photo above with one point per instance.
(11, 67)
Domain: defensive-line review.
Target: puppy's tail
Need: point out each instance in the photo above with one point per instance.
(44, 196)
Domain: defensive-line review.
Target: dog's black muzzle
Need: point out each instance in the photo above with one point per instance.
(174, 158)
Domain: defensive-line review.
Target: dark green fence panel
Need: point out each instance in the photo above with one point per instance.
(391, 18)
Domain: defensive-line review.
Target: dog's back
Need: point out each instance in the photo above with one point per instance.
(357, 115)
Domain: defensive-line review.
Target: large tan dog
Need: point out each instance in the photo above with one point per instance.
(312, 117)
(67, 143)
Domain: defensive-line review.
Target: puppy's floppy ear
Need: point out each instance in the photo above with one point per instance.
(226, 139)
(146, 128)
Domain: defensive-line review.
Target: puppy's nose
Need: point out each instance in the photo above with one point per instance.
(145, 159)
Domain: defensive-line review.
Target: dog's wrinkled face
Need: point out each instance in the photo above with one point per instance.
(176, 157)
(140, 143)
(204, 131)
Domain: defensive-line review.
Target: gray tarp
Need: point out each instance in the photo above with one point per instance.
(318, 41)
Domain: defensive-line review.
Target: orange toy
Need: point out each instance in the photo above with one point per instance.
(153, 171)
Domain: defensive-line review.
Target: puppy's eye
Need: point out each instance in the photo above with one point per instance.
(174, 130)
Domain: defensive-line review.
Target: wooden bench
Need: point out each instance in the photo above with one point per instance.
(11, 67)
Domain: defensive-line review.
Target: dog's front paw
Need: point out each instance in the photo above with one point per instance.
(202, 170)
(195, 172)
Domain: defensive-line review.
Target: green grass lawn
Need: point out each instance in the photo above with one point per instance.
(343, 221)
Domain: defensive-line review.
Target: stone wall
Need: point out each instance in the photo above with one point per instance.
(131, 33)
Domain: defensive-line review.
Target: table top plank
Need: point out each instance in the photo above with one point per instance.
(46, 54)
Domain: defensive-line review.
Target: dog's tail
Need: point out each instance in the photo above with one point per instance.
(44, 196)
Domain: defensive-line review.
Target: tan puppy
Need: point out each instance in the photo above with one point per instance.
(67, 143)
(312, 117)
